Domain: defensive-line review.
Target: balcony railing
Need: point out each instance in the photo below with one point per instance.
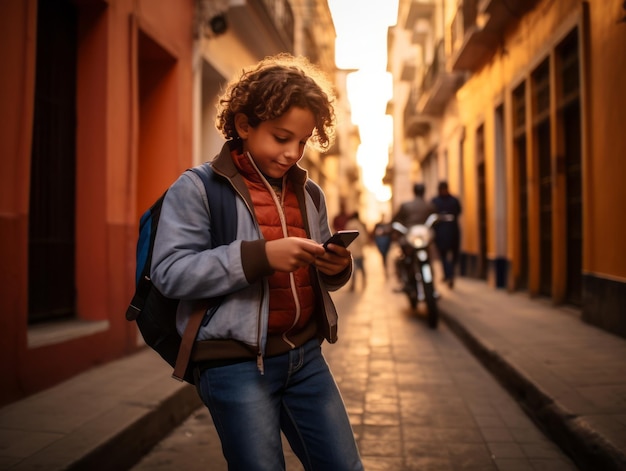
(477, 27)
(409, 69)
(438, 85)
(436, 67)
(419, 9)
(282, 15)
(415, 122)
(267, 26)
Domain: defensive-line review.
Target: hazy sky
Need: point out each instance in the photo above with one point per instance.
(361, 28)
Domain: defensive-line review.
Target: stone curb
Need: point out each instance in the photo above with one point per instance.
(129, 444)
(588, 448)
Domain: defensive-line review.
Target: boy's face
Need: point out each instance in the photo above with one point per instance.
(278, 144)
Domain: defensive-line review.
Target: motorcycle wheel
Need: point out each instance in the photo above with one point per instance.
(431, 304)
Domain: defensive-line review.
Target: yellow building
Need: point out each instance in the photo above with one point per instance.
(520, 105)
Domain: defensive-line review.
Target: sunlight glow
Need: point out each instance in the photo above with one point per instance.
(362, 44)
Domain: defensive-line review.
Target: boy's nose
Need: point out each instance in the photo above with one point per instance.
(293, 152)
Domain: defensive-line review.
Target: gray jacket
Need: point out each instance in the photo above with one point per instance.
(185, 266)
(415, 211)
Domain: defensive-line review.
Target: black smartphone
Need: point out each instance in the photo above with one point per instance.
(343, 238)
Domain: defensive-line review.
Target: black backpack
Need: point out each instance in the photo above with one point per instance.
(154, 313)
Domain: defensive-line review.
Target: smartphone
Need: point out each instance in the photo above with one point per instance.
(343, 238)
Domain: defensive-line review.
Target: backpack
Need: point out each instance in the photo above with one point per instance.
(154, 313)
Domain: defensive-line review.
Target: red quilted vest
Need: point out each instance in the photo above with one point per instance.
(291, 294)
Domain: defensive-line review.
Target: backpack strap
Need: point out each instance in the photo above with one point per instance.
(314, 191)
(188, 339)
(222, 207)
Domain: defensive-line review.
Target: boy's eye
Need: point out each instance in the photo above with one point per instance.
(283, 140)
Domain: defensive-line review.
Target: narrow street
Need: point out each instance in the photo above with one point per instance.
(418, 400)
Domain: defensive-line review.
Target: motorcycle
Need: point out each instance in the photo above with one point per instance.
(413, 265)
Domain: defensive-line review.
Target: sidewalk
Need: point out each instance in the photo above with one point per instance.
(568, 375)
(103, 419)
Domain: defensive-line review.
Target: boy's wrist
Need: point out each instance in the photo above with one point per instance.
(254, 260)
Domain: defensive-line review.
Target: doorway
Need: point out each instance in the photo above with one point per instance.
(51, 236)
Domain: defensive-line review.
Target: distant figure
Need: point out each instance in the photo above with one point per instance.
(339, 221)
(411, 213)
(447, 233)
(356, 248)
(415, 211)
(382, 239)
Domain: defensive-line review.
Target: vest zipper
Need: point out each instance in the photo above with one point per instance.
(292, 281)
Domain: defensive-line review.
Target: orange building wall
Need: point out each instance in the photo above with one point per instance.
(605, 191)
(605, 196)
(469, 243)
(602, 36)
(16, 105)
(131, 142)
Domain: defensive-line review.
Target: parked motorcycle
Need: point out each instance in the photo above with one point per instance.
(414, 268)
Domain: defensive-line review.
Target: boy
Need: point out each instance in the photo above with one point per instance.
(260, 367)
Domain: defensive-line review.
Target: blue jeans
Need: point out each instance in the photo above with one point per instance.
(449, 257)
(298, 395)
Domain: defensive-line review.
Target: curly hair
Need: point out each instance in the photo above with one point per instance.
(269, 89)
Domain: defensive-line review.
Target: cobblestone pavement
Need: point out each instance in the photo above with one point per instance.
(418, 400)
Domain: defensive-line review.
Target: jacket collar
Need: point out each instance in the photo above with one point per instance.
(224, 165)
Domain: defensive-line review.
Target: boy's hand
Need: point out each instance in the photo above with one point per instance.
(334, 260)
(291, 253)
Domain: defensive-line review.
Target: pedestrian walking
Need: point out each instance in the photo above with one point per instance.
(356, 248)
(259, 365)
(382, 239)
(340, 220)
(447, 233)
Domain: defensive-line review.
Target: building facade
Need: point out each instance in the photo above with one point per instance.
(518, 105)
(106, 103)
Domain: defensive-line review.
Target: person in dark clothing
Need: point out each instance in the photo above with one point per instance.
(410, 213)
(340, 220)
(447, 233)
(382, 239)
(415, 211)
(356, 248)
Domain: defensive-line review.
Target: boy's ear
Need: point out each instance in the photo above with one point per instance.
(241, 125)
